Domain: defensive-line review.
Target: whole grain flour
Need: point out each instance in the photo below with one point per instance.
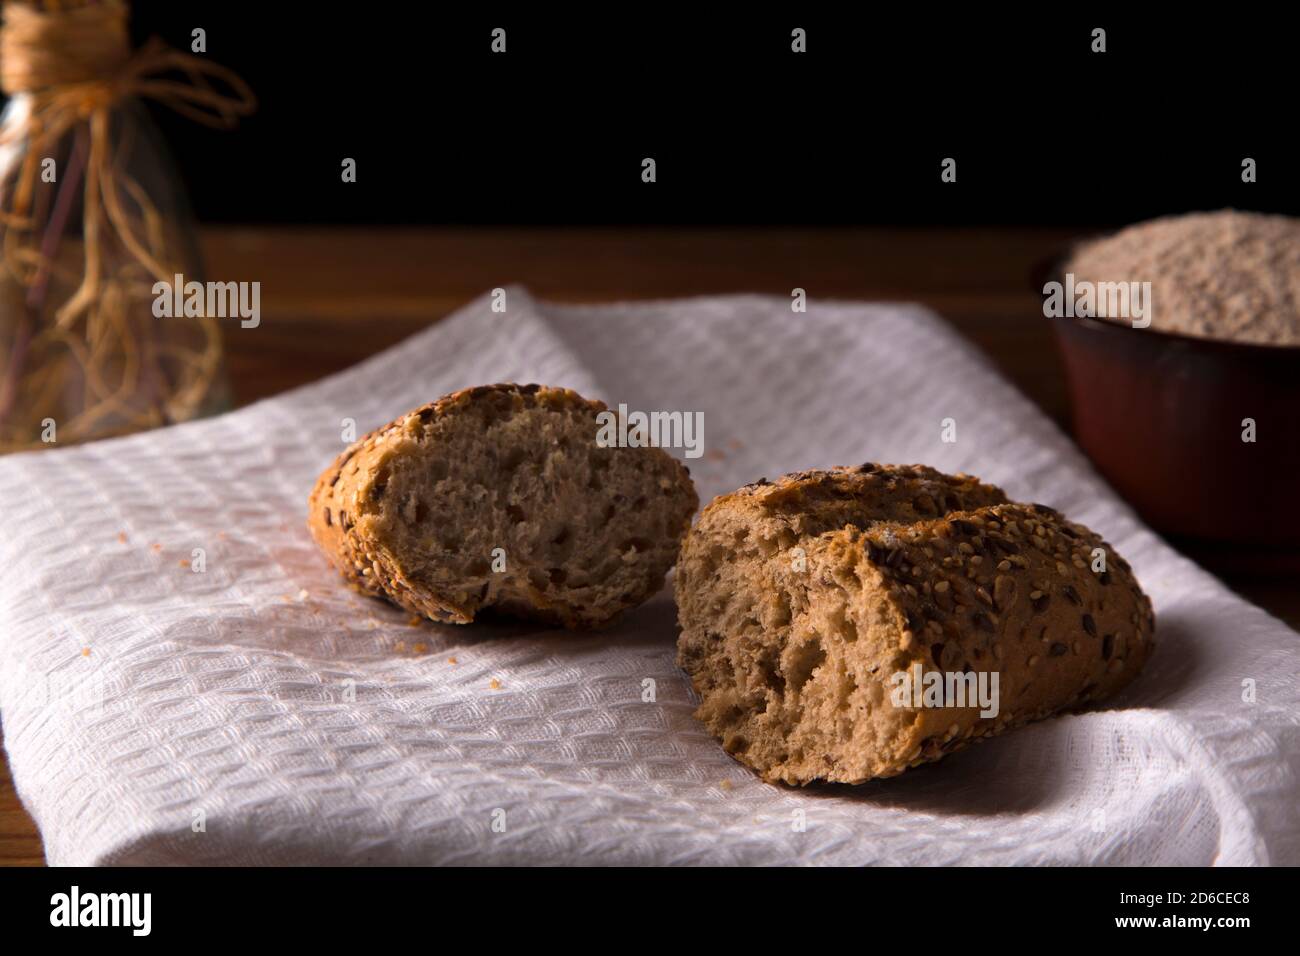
(1225, 275)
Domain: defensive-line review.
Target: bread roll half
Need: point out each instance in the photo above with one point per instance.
(820, 611)
(502, 497)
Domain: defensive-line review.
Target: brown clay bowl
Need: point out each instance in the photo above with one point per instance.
(1161, 415)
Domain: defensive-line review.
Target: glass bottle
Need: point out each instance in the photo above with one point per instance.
(84, 352)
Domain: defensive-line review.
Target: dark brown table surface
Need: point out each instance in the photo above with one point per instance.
(331, 297)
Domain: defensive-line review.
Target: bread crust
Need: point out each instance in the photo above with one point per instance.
(339, 492)
(985, 585)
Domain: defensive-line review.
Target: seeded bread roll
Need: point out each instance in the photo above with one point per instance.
(416, 511)
(801, 601)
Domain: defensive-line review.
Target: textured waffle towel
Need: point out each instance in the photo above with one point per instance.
(260, 712)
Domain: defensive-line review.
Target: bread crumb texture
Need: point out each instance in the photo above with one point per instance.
(499, 498)
(800, 599)
(1224, 275)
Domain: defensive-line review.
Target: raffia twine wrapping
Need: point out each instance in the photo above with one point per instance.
(75, 64)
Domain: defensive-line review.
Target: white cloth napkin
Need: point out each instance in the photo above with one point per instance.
(260, 712)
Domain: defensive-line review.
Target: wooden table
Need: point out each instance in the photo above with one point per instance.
(331, 297)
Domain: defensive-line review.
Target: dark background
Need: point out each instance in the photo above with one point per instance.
(743, 130)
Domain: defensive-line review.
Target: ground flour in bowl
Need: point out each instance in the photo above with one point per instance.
(1225, 275)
